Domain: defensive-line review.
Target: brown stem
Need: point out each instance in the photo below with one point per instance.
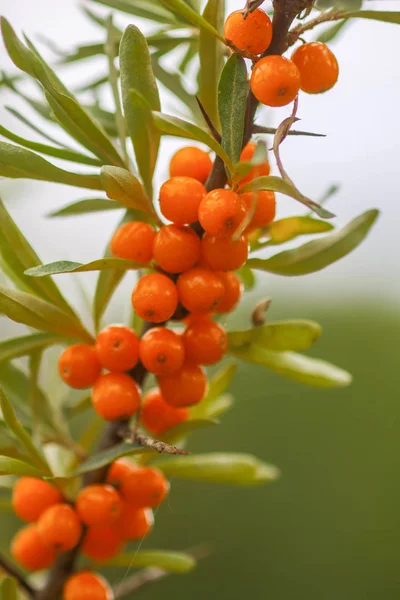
(325, 17)
(17, 575)
(272, 130)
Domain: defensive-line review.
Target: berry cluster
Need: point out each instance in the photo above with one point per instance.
(276, 80)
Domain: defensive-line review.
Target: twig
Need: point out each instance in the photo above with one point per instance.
(214, 131)
(133, 437)
(325, 17)
(251, 5)
(272, 131)
(259, 312)
(17, 575)
(253, 57)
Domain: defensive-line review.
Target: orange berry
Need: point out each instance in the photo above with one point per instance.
(133, 241)
(145, 487)
(134, 523)
(184, 388)
(275, 81)
(265, 205)
(60, 528)
(29, 550)
(98, 505)
(31, 497)
(79, 366)
(191, 162)
(155, 298)
(102, 543)
(117, 348)
(180, 198)
(115, 396)
(233, 291)
(87, 586)
(176, 249)
(318, 67)
(224, 254)
(158, 416)
(199, 290)
(205, 342)
(117, 472)
(221, 212)
(162, 351)
(251, 34)
(261, 170)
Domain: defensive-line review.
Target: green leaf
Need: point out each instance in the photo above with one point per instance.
(21, 346)
(15, 384)
(247, 277)
(101, 459)
(22, 435)
(332, 33)
(287, 229)
(178, 127)
(14, 466)
(280, 336)
(219, 383)
(66, 266)
(124, 187)
(18, 163)
(211, 54)
(376, 15)
(192, 16)
(174, 83)
(232, 100)
(18, 255)
(8, 589)
(167, 560)
(35, 312)
(137, 75)
(153, 11)
(34, 128)
(320, 253)
(70, 114)
(277, 184)
(238, 469)
(61, 153)
(83, 207)
(244, 167)
(304, 369)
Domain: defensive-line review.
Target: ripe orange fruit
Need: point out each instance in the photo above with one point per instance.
(134, 523)
(145, 487)
(134, 241)
(176, 249)
(59, 528)
(184, 388)
(232, 293)
(265, 205)
(158, 416)
(115, 396)
(79, 366)
(117, 472)
(31, 497)
(318, 67)
(221, 212)
(191, 162)
(102, 543)
(117, 348)
(180, 198)
(155, 298)
(261, 170)
(205, 342)
(275, 81)
(253, 34)
(29, 550)
(199, 290)
(162, 351)
(224, 254)
(87, 586)
(98, 505)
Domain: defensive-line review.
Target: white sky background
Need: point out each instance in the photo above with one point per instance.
(361, 152)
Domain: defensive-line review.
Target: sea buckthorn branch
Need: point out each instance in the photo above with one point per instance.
(325, 17)
(272, 131)
(251, 6)
(131, 436)
(17, 575)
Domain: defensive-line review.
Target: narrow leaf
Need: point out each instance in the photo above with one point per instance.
(376, 15)
(320, 253)
(153, 11)
(248, 278)
(66, 266)
(106, 457)
(84, 207)
(35, 312)
(168, 560)
(8, 589)
(178, 127)
(180, 7)
(332, 33)
(137, 75)
(13, 466)
(124, 187)
(296, 335)
(211, 54)
(21, 346)
(232, 100)
(219, 384)
(238, 469)
(287, 229)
